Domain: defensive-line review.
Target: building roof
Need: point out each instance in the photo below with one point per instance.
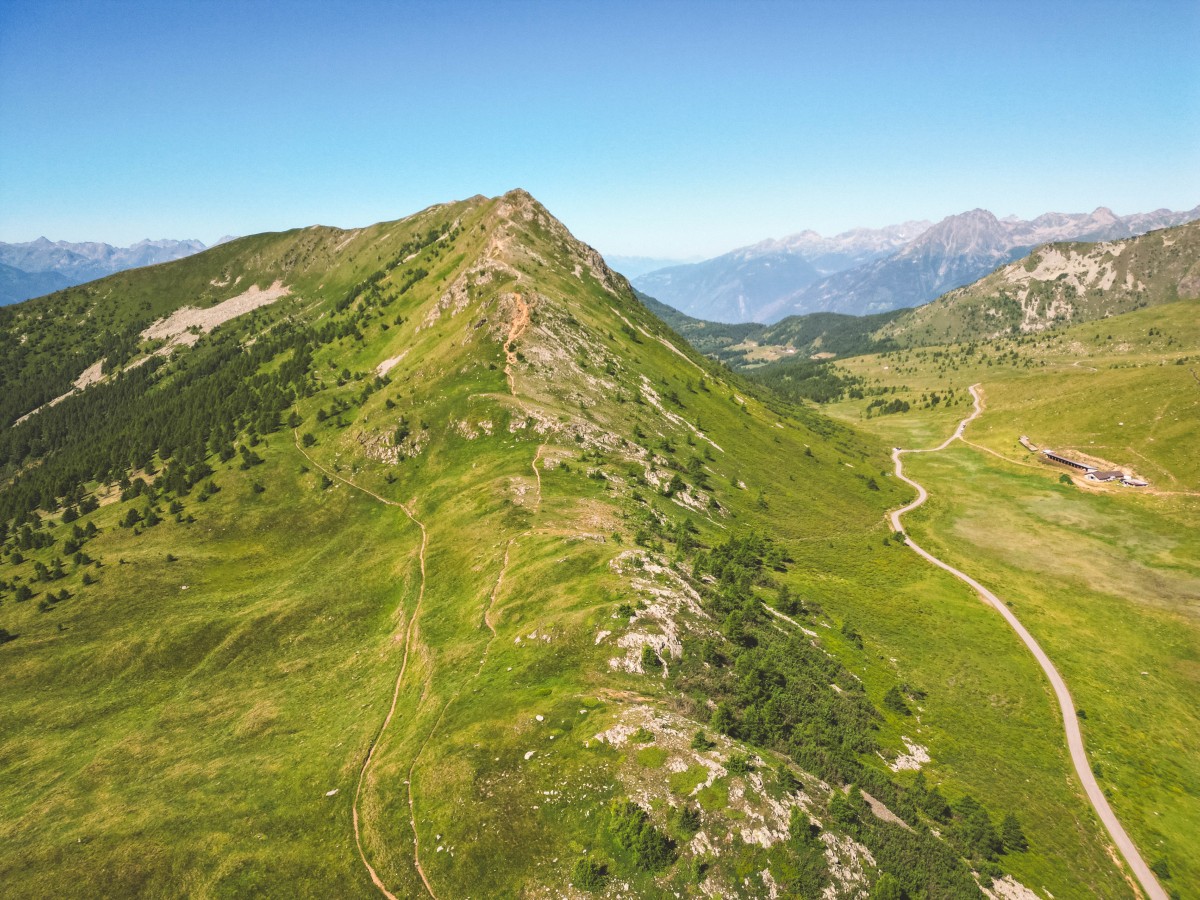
(1106, 475)
(1058, 457)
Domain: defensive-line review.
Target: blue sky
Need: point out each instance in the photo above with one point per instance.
(664, 129)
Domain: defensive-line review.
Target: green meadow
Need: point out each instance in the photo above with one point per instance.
(1107, 578)
(194, 715)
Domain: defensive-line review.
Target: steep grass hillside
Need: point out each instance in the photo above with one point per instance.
(422, 559)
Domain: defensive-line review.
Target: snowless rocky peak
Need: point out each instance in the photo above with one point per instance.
(857, 241)
(973, 233)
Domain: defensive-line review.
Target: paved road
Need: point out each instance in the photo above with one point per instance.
(1070, 720)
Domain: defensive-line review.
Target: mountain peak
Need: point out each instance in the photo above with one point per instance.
(519, 195)
(974, 215)
(495, 388)
(966, 232)
(521, 204)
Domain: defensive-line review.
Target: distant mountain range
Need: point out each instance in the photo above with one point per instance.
(39, 267)
(1057, 284)
(868, 271)
(1061, 283)
(739, 286)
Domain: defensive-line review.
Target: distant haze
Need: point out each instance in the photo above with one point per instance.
(633, 266)
(865, 271)
(42, 266)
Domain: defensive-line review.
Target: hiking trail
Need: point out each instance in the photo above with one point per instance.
(409, 634)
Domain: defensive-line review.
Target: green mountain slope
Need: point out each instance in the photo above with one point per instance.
(414, 559)
(1055, 286)
(1061, 284)
(751, 344)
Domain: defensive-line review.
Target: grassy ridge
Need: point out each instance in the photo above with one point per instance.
(170, 739)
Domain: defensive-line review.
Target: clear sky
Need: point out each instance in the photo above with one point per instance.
(663, 129)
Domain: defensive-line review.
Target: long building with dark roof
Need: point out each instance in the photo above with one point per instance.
(1067, 461)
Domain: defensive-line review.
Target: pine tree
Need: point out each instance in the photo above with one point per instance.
(686, 820)
(1013, 835)
(887, 888)
(588, 875)
(894, 700)
(722, 718)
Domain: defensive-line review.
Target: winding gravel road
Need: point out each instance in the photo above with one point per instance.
(1070, 720)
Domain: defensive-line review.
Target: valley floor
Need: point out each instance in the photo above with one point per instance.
(1106, 578)
(1146, 878)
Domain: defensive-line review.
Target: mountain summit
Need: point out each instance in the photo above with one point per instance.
(976, 232)
(420, 558)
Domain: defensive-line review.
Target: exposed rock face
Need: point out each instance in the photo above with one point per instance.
(1062, 283)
